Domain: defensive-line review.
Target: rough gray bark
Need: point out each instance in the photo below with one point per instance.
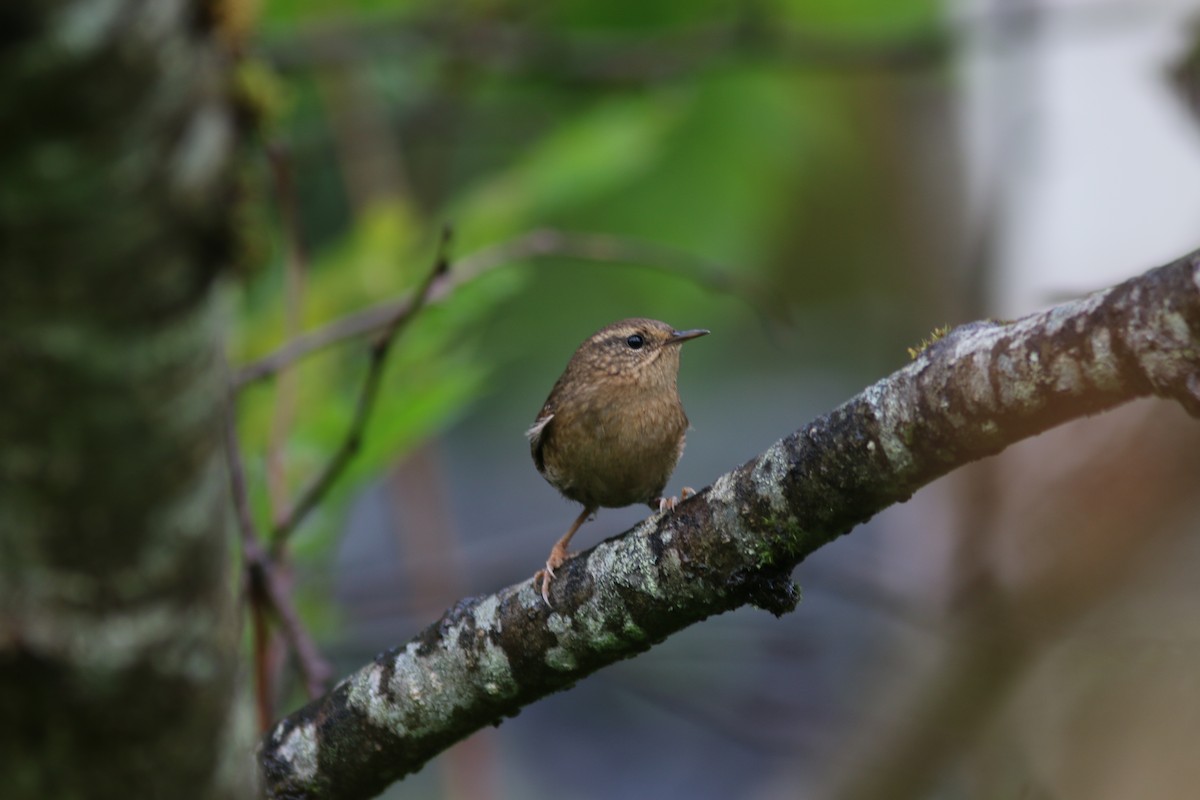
(116, 634)
(981, 388)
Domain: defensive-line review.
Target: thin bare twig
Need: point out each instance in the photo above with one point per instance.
(542, 243)
(400, 316)
(251, 551)
(265, 583)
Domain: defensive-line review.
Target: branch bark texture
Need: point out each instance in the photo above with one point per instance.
(116, 632)
(982, 387)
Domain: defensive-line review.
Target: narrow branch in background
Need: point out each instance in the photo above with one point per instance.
(392, 326)
(264, 583)
(544, 243)
(527, 50)
(982, 387)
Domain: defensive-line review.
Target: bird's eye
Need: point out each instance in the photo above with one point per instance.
(635, 341)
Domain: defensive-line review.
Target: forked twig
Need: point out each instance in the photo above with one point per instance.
(399, 317)
(265, 585)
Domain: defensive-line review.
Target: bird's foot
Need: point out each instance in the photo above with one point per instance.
(558, 555)
(668, 503)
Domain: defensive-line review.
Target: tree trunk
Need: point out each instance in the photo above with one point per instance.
(117, 639)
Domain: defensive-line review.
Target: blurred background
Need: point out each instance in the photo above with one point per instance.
(821, 183)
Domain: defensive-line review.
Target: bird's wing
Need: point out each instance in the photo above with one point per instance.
(537, 437)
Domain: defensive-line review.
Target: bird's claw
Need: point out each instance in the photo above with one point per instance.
(668, 503)
(544, 577)
(557, 556)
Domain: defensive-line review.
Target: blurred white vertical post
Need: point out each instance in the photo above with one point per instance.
(1078, 154)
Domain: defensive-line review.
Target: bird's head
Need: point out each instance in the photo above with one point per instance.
(643, 351)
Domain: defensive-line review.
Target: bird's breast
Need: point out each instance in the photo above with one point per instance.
(616, 453)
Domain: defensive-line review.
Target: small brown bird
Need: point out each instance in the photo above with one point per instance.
(612, 429)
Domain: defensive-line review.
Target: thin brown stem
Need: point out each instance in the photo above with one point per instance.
(251, 594)
(320, 486)
(262, 673)
(237, 478)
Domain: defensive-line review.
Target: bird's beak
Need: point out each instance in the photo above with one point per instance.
(682, 336)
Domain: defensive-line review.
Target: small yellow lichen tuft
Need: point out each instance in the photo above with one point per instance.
(938, 333)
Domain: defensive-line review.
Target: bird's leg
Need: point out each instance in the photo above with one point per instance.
(558, 554)
(668, 503)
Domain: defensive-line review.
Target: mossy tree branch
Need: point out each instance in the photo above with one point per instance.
(970, 394)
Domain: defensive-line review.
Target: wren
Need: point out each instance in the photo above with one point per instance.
(613, 428)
